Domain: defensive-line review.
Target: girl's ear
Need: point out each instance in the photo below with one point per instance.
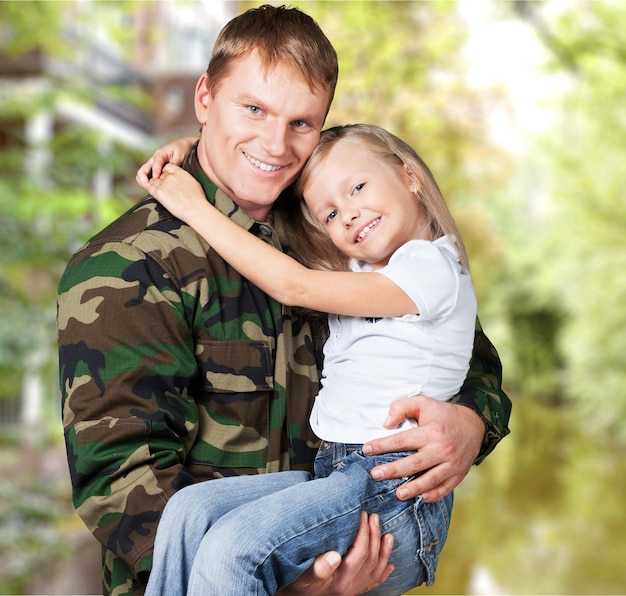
(414, 180)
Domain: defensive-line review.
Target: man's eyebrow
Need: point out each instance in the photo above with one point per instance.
(248, 99)
(317, 122)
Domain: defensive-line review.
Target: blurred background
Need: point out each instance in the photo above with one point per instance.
(519, 108)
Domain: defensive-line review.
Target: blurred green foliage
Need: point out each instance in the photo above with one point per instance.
(30, 515)
(47, 211)
(567, 251)
(544, 229)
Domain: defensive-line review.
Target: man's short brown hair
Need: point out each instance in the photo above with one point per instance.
(278, 34)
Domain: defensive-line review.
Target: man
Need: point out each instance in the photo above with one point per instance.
(174, 369)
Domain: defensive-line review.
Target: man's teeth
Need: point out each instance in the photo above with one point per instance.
(263, 166)
(366, 230)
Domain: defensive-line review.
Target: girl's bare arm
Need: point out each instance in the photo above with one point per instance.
(283, 278)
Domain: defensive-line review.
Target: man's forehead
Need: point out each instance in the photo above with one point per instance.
(270, 66)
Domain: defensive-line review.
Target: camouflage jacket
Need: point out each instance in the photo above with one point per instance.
(175, 369)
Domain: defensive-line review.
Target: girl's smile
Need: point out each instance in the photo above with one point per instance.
(365, 204)
(366, 230)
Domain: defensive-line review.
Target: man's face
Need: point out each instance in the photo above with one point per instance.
(258, 131)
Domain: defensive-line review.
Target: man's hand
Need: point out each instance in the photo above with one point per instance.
(447, 441)
(364, 566)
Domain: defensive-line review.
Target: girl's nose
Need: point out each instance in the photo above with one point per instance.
(349, 215)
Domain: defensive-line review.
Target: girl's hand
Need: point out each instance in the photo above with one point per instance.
(173, 152)
(179, 192)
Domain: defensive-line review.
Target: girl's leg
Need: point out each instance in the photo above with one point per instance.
(263, 546)
(420, 531)
(191, 512)
(259, 548)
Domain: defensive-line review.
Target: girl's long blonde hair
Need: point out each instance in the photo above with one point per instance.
(312, 242)
(312, 239)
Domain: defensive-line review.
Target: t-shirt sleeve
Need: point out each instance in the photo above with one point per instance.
(429, 274)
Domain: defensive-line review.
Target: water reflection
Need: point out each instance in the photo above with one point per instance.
(543, 515)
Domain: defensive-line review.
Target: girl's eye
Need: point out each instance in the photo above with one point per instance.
(358, 188)
(331, 216)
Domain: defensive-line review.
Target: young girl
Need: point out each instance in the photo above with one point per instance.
(402, 324)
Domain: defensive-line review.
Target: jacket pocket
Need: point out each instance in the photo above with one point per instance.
(235, 366)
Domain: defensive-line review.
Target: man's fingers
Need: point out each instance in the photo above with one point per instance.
(367, 532)
(431, 486)
(408, 440)
(317, 579)
(406, 466)
(380, 551)
(385, 569)
(364, 567)
(323, 567)
(441, 490)
(401, 409)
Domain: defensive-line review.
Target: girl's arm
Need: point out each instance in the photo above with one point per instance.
(173, 152)
(280, 276)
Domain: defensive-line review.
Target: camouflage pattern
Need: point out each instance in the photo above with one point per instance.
(482, 392)
(174, 369)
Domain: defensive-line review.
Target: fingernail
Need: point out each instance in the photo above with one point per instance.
(377, 474)
(367, 449)
(387, 421)
(333, 558)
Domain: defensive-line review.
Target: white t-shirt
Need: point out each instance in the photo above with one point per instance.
(369, 362)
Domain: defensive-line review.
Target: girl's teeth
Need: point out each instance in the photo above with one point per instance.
(366, 229)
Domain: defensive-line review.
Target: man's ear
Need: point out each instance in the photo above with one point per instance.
(202, 98)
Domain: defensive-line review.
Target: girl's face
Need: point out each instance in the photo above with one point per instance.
(364, 203)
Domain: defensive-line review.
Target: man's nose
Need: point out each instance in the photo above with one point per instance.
(275, 139)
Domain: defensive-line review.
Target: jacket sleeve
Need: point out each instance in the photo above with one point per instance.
(126, 361)
(482, 392)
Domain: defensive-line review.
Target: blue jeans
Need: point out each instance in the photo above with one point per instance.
(254, 535)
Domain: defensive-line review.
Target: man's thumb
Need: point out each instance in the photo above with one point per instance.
(333, 558)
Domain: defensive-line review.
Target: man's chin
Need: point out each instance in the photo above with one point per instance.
(256, 206)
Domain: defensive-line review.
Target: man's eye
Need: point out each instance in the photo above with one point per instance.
(254, 109)
(300, 124)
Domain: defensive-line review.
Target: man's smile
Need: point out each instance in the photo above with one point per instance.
(262, 166)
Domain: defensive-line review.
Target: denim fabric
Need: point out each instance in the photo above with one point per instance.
(190, 513)
(256, 534)
(419, 529)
